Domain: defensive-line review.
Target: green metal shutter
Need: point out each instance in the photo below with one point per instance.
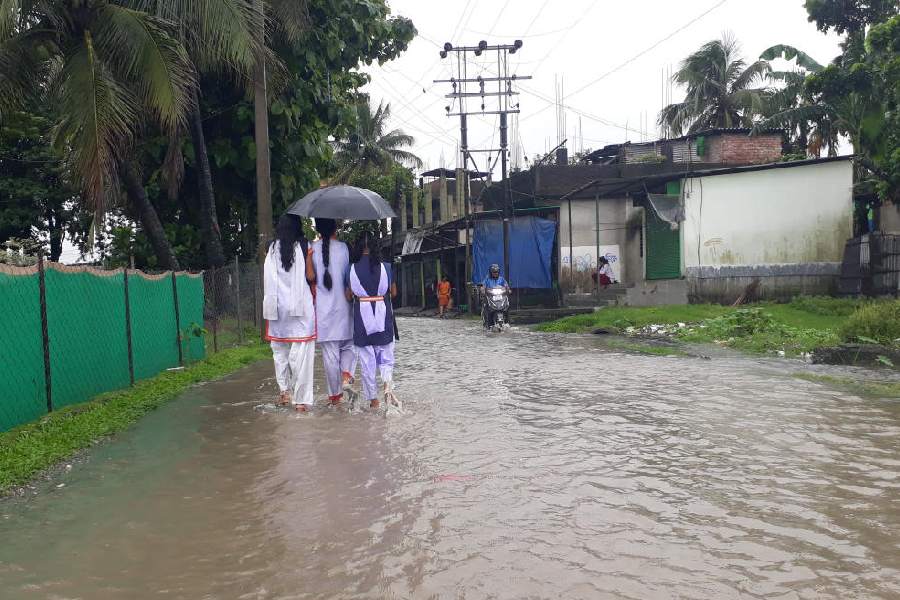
(663, 243)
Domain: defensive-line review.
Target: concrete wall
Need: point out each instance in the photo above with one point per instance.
(723, 284)
(614, 215)
(801, 214)
(890, 218)
(785, 226)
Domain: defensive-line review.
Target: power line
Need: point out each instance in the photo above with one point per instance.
(574, 24)
(636, 56)
(497, 20)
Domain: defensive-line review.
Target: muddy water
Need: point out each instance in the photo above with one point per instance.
(527, 466)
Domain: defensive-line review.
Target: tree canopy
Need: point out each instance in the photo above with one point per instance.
(157, 81)
(722, 89)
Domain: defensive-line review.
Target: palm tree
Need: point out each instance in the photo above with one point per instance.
(720, 89)
(106, 71)
(220, 36)
(228, 37)
(371, 148)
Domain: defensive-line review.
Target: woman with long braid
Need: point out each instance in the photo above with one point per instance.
(334, 313)
(289, 312)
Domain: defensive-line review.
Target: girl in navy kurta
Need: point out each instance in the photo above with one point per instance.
(370, 282)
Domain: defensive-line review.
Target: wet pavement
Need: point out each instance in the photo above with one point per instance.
(526, 466)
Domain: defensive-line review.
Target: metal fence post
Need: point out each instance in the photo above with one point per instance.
(128, 329)
(237, 293)
(177, 319)
(255, 302)
(42, 287)
(215, 312)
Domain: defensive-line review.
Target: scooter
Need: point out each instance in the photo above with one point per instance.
(495, 308)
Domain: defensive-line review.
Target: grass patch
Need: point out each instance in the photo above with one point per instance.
(805, 323)
(882, 389)
(646, 349)
(34, 447)
(622, 317)
(760, 330)
(878, 322)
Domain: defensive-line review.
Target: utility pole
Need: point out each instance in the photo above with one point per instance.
(500, 104)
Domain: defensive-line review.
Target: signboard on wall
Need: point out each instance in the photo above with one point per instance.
(585, 258)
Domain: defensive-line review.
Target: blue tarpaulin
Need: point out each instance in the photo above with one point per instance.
(530, 249)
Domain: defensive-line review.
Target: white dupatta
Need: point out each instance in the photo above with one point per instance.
(294, 305)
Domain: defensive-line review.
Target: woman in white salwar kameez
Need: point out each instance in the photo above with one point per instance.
(289, 312)
(334, 313)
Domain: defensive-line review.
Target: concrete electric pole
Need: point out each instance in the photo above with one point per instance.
(492, 102)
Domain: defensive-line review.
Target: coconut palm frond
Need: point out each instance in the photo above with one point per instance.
(752, 75)
(221, 35)
(21, 70)
(140, 49)
(372, 147)
(722, 89)
(96, 122)
(9, 17)
(406, 158)
(291, 18)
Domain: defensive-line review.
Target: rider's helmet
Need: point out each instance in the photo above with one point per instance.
(495, 271)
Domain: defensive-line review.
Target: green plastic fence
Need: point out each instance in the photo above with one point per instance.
(87, 334)
(153, 331)
(21, 353)
(190, 304)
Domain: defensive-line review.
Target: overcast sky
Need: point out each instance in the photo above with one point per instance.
(610, 56)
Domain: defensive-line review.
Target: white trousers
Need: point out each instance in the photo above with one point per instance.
(338, 357)
(370, 359)
(294, 369)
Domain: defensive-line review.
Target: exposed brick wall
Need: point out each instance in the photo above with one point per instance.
(742, 149)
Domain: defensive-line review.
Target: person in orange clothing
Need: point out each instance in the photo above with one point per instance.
(443, 295)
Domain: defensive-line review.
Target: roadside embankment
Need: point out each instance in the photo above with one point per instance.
(31, 448)
(792, 329)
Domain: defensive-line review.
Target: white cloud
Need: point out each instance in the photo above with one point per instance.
(616, 51)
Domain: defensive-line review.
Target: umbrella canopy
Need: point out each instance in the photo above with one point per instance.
(343, 202)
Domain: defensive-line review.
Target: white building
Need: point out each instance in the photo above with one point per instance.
(705, 234)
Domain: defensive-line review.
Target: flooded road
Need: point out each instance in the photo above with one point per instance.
(527, 466)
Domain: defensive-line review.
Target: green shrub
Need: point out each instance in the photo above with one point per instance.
(755, 330)
(824, 305)
(878, 321)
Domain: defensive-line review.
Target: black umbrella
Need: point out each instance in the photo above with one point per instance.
(343, 202)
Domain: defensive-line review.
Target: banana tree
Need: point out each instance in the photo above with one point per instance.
(810, 130)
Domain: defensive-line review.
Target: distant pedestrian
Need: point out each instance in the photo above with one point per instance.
(605, 275)
(371, 282)
(289, 312)
(443, 295)
(334, 312)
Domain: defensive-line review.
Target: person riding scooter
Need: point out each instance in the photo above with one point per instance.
(494, 280)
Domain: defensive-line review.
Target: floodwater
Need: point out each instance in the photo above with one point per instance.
(526, 466)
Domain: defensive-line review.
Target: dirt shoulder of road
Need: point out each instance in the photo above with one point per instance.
(796, 328)
(35, 447)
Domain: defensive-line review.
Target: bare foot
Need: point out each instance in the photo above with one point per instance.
(374, 403)
(301, 408)
(284, 399)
